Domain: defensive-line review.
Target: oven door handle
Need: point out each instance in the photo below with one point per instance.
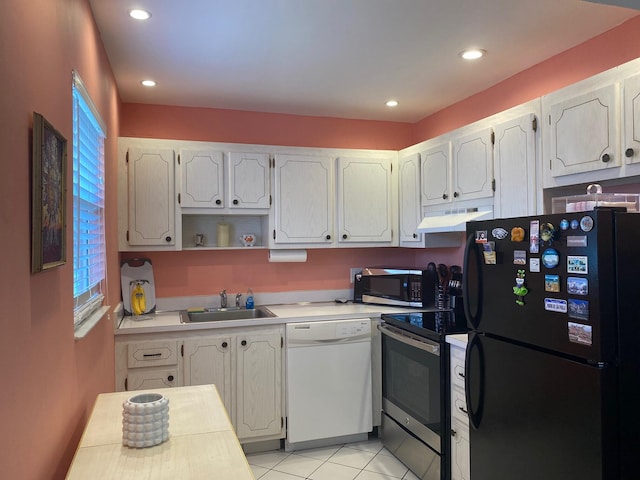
(423, 344)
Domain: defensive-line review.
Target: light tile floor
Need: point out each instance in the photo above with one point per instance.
(353, 461)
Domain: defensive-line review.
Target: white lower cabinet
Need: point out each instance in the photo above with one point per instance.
(245, 364)
(208, 360)
(258, 377)
(460, 466)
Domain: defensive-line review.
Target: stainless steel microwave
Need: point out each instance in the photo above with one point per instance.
(403, 287)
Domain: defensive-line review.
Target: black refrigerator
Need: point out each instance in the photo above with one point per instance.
(553, 358)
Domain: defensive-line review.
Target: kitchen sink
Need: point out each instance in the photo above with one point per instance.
(221, 314)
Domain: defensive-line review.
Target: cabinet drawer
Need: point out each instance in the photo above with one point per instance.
(152, 354)
(457, 367)
(459, 406)
(152, 378)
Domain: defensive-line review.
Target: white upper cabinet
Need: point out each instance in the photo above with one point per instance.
(436, 174)
(249, 185)
(364, 200)
(202, 178)
(582, 132)
(631, 108)
(151, 197)
(409, 203)
(472, 161)
(303, 191)
(515, 167)
(205, 177)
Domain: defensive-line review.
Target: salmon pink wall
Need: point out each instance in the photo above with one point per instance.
(596, 55)
(50, 380)
(216, 125)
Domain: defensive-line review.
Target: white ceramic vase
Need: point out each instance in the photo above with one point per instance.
(145, 420)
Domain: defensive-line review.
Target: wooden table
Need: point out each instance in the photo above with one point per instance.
(201, 444)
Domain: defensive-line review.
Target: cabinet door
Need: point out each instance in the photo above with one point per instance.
(364, 200)
(202, 178)
(248, 185)
(460, 466)
(303, 199)
(436, 174)
(515, 168)
(472, 159)
(582, 133)
(151, 197)
(631, 106)
(259, 385)
(409, 186)
(208, 360)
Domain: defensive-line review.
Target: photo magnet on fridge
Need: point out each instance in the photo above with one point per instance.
(579, 333)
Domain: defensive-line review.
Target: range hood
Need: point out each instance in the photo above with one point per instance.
(453, 221)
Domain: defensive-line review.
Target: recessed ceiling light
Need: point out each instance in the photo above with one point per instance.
(392, 103)
(148, 83)
(472, 54)
(139, 14)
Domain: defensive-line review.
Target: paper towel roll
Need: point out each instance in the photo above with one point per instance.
(223, 235)
(287, 256)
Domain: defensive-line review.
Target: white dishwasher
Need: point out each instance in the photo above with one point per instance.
(328, 382)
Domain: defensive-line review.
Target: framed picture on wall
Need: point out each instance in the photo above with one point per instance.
(48, 196)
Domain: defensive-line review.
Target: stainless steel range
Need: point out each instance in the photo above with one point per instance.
(415, 389)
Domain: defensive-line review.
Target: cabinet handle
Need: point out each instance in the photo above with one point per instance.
(236, 202)
(328, 237)
(463, 410)
(606, 157)
(456, 194)
(453, 433)
(415, 235)
(218, 202)
(243, 343)
(170, 378)
(152, 354)
(629, 152)
(344, 236)
(167, 239)
(445, 196)
(224, 344)
(461, 375)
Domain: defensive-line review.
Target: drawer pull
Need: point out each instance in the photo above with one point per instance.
(152, 355)
(461, 375)
(463, 410)
(170, 378)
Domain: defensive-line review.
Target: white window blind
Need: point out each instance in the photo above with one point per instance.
(89, 253)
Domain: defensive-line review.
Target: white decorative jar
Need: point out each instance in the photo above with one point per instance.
(145, 420)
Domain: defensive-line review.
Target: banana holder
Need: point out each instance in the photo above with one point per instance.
(138, 288)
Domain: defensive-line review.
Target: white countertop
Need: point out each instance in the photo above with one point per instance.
(286, 313)
(459, 339)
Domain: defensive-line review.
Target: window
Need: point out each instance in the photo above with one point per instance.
(89, 253)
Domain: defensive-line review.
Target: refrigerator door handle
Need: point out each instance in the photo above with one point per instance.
(469, 252)
(474, 411)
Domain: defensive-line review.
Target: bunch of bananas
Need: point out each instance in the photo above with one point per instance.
(138, 303)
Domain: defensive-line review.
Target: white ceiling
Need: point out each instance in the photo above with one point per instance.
(336, 58)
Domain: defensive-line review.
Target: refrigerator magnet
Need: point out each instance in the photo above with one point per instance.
(579, 309)
(574, 224)
(499, 233)
(519, 257)
(519, 290)
(517, 234)
(555, 305)
(547, 232)
(550, 258)
(586, 223)
(579, 333)
(577, 286)
(534, 264)
(551, 283)
(564, 224)
(577, 264)
(481, 236)
(534, 236)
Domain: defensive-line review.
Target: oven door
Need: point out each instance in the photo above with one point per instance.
(411, 386)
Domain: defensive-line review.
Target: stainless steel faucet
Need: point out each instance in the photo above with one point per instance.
(238, 298)
(223, 299)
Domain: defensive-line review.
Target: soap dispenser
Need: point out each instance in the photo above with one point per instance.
(249, 303)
